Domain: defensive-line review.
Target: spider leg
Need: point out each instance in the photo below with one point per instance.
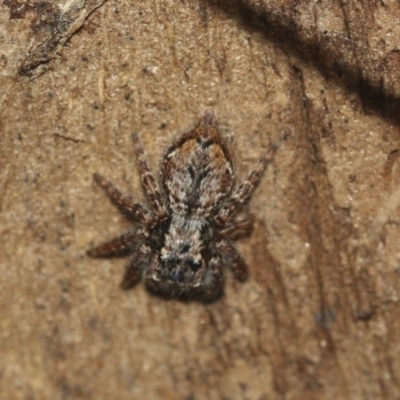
(215, 288)
(120, 246)
(149, 183)
(124, 203)
(233, 259)
(246, 189)
(237, 228)
(133, 273)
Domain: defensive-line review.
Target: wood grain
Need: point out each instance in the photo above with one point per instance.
(319, 316)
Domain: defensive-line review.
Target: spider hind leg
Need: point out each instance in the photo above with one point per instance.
(148, 181)
(125, 204)
(244, 191)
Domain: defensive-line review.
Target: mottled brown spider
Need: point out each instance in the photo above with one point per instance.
(182, 242)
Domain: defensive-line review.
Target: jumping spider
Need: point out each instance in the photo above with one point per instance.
(181, 243)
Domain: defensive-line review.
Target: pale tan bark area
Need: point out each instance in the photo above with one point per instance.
(319, 316)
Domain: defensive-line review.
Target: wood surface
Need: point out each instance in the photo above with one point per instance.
(319, 317)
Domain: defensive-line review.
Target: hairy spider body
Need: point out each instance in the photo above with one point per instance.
(182, 244)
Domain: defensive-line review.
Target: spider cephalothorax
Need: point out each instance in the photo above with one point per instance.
(181, 244)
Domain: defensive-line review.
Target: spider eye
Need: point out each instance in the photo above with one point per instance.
(193, 264)
(185, 248)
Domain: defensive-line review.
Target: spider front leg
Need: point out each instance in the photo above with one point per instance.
(149, 183)
(245, 190)
(124, 203)
(216, 280)
(233, 259)
(134, 271)
(120, 246)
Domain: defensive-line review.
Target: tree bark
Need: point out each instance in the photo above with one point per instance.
(318, 317)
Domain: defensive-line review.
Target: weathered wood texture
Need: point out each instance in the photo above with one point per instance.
(320, 317)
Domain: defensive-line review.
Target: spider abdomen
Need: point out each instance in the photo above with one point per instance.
(197, 171)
